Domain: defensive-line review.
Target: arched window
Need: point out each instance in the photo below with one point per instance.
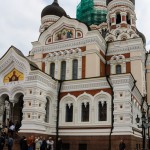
(52, 69)
(63, 70)
(85, 112)
(102, 111)
(69, 112)
(47, 110)
(128, 19)
(118, 69)
(118, 18)
(75, 69)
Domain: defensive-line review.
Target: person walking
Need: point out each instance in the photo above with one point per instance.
(38, 143)
(44, 145)
(10, 143)
(122, 145)
(2, 142)
(59, 144)
(50, 144)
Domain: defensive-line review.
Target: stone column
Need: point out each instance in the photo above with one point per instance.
(123, 17)
(47, 67)
(1, 110)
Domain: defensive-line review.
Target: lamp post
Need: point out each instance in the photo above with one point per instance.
(144, 126)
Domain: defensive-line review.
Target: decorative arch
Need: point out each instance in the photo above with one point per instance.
(84, 108)
(67, 109)
(102, 105)
(117, 63)
(123, 36)
(4, 91)
(110, 38)
(16, 92)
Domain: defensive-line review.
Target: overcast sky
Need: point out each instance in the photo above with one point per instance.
(20, 21)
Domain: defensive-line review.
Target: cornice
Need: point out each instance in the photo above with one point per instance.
(69, 45)
(128, 46)
(85, 84)
(41, 78)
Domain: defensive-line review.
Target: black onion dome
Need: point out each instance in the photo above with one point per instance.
(108, 1)
(53, 9)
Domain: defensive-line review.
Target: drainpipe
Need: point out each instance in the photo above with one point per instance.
(112, 111)
(112, 97)
(57, 117)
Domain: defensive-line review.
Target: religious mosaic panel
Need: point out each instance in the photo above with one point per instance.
(14, 75)
(64, 34)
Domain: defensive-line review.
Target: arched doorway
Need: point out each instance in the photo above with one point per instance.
(4, 109)
(17, 114)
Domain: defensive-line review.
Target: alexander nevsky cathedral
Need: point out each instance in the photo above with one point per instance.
(85, 80)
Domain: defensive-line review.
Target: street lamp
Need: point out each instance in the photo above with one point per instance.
(144, 126)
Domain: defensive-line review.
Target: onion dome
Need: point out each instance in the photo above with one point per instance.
(108, 1)
(53, 9)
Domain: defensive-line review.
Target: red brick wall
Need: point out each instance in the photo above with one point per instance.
(92, 92)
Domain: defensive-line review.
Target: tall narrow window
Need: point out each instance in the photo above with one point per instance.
(85, 112)
(128, 19)
(102, 111)
(118, 18)
(47, 111)
(118, 69)
(69, 112)
(75, 69)
(52, 69)
(63, 70)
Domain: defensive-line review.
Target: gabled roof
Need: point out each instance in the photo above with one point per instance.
(33, 66)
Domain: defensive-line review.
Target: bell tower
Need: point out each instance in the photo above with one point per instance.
(121, 14)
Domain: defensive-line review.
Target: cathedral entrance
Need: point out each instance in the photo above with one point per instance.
(11, 110)
(17, 114)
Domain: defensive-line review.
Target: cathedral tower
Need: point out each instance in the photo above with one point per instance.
(121, 14)
(92, 11)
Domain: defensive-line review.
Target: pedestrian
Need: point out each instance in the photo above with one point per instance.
(50, 144)
(30, 142)
(43, 145)
(10, 143)
(38, 143)
(24, 144)
(122, 145)
(2, 142)
(59, 144)
(21, 142)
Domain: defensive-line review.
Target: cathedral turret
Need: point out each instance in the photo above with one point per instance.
(108, 1)
(121, 14)
(51, 14)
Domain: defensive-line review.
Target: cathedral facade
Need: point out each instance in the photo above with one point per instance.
(84, 80)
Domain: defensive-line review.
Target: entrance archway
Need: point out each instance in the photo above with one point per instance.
(4, 109)
(17, 114)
